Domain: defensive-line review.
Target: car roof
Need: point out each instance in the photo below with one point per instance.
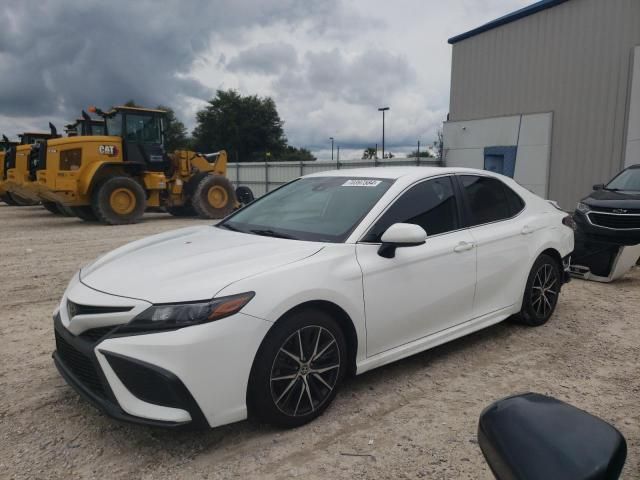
(394, 173)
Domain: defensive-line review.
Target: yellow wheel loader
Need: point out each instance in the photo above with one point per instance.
(113, 178)
(5, 145)
(16, 167)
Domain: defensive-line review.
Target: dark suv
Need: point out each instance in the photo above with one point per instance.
(612, 211)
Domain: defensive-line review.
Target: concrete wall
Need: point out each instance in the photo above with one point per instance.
(633, 131)
(573, 60)
(464, 144)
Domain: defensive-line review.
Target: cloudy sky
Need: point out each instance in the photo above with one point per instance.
(327, 63)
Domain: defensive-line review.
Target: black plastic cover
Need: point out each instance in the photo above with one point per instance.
(535, 437)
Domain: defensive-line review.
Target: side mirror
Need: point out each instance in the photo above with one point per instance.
(598, 186)
(532, 436)
(401, 235)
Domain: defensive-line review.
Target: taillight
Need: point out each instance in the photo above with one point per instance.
(568, 221)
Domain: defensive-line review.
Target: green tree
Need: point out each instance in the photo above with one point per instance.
(369, 153)
(175, 133)
(247, 127)
(423, 154)
(294, 154)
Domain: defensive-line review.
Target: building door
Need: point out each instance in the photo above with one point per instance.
(501, 160)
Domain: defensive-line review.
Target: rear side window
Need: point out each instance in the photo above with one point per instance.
(516, 204)
(430, 204)
(488, 199)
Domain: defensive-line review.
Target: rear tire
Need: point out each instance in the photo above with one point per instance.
(21, 201)
(182, 211)
(6, 198)
(541, 293)
(84, 213)
(287, 388)
(213, 197)
(118, 201)
(52, 207)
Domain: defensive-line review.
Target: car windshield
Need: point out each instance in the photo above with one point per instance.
(323, 209)
(628, 179)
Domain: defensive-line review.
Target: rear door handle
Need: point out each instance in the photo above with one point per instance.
(463, 247)
(527, 230)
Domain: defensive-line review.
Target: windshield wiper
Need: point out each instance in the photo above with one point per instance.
(229, 227)
(272, 233)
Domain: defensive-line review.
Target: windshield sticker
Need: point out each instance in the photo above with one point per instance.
(361, 183)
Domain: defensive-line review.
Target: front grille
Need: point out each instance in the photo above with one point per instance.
(635, 211)
(74, 309)
(81, 366)
(95, 334)
(617, 222)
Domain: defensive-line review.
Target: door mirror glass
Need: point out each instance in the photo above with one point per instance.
(534, 436)
(401, 235)
(598, 186)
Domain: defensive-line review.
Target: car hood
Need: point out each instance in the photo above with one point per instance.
(613, 199)
(189, 264)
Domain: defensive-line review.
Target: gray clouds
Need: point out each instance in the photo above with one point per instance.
(328, 64)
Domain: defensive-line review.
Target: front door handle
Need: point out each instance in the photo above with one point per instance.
(463, 247)
(527, 230)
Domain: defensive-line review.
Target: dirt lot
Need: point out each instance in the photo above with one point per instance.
(413, 419)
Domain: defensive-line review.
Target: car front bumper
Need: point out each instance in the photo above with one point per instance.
(191, 377)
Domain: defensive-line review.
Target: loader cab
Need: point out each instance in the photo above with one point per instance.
(141, 130)
(37, 153)
(5, 146)
(84, 127)
(26, 138)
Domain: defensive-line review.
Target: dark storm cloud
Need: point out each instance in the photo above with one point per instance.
(59, 56)
(266, 58)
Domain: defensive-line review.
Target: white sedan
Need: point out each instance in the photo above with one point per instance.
(332, 274)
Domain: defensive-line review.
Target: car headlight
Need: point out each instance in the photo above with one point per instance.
(583, 207)
(178, 315)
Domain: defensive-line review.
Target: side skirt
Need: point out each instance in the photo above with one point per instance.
(434, 340)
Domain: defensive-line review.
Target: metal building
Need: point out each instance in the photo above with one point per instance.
(549, 94)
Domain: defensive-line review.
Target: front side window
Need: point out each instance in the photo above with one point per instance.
(323, 209)
(143, 128)
(114, 125)
(430, 204)
(97, 129)
(627, 180)
(487, 199)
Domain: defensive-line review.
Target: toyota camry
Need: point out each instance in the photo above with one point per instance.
(333, 274)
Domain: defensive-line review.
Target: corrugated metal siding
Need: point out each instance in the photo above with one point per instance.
(262, 177)
(574, 60)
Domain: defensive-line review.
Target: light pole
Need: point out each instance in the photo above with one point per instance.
(331, 138)
(383, 109)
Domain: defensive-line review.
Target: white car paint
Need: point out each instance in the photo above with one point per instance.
(451, 285)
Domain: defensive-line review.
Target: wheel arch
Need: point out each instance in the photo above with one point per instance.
(104, 169)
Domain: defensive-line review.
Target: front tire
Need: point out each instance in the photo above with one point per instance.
(541, 293)
(118, 201)
(52, 207)
(297, 370)
(213, 197)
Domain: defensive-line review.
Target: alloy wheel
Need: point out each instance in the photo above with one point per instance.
(545, 290)
(305, 371)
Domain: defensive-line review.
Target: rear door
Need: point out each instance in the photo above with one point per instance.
(424, 289)
(499, 227)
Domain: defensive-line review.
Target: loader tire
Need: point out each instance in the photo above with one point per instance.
(182, 211)
(52, 207)
(118, 201)
(21, 201)
(245, 195)
(6, 198)
(214, 197)
(84, 213)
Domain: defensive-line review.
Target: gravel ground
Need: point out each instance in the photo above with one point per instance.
(414, 419)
